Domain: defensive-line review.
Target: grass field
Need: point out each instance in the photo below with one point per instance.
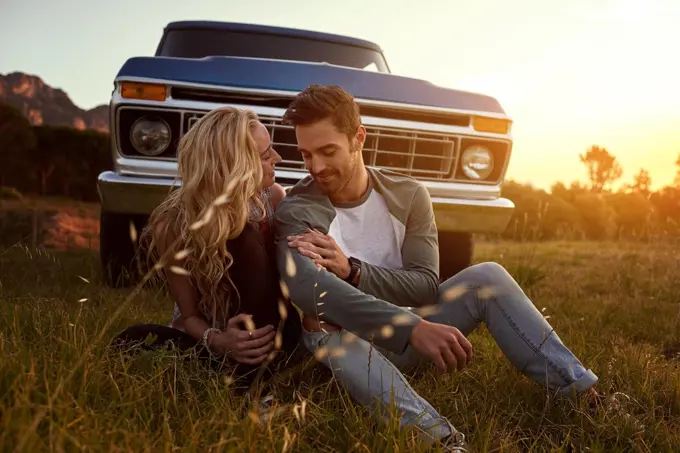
(615, 305)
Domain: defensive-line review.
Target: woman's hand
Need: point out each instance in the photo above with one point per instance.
(240, 344)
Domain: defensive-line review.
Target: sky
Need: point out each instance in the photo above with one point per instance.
(570, 74)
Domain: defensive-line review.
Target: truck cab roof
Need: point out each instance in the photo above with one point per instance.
(273, 30)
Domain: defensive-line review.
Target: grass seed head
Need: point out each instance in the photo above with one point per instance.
(133, 232)
(427, 310)
(402, 319)
(179, 256)
(283, 311)
(454, 292)
(291, 270)
(321, 353)
(387, 331)
(250, 325)
(284, 289)
(179, 270)
(486, 292)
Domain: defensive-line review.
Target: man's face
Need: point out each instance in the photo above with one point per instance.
(330, 156)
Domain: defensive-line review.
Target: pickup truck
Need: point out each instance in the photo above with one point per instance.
(456, 143)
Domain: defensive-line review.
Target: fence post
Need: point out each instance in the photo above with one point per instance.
(34, 229)
(3, 213)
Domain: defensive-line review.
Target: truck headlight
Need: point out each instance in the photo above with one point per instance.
(477, 162)
(150, 136)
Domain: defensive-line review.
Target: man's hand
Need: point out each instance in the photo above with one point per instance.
(445, 345)
(323, 250)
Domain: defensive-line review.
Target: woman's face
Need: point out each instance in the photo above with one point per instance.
(268, 155)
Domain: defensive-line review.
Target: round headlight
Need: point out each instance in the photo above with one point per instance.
(150, 136)
(477, 162)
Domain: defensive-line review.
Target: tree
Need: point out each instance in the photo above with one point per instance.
(667, 206)
(677, 172)
(603, 168)
(559, 189)
(642, 183)
(89, 155)
(597, 218)
(634, 213)
(45, 156)
(66, 161)
(16, 141)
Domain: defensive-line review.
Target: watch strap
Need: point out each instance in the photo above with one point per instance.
(354, 268)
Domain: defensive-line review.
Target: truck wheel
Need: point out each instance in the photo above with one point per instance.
(455, 253)
(117, 250)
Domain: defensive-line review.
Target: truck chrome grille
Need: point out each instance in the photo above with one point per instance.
(415, 152)
(422, 155)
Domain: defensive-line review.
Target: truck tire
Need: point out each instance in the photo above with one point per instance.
(117, 251)
(455, 253)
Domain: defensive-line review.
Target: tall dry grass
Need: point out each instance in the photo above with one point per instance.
(62, 389)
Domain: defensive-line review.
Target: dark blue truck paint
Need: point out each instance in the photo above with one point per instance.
(296, 76)
(267, 29)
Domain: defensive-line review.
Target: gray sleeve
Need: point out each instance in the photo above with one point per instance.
(417, 283)
(320, 293)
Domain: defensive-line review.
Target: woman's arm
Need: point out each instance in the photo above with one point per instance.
(184, 293)
(180, 287)
(278, 192)
(234, 340)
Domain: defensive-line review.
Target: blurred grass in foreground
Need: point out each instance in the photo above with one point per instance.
(615, 305)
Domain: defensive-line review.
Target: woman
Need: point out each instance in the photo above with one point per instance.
(214, 238)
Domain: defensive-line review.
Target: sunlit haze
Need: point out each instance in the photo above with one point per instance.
(571, 74)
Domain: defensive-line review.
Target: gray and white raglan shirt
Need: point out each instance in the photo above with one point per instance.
(391, 229)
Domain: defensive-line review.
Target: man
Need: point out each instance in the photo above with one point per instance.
(357, 250)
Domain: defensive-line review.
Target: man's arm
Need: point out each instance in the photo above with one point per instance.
(417, 283)
(319, 293)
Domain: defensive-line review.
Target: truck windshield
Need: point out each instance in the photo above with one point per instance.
(196, 43)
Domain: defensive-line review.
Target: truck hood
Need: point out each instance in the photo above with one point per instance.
(252, 73)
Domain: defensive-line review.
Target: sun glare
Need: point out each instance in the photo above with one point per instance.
(631, 10)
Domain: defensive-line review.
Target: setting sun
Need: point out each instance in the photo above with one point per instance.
(590, 73)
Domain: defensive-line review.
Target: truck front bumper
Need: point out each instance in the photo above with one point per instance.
(472, 216)
(141, 195)
(131, 194)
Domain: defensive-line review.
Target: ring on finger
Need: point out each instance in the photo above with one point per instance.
(250, 334)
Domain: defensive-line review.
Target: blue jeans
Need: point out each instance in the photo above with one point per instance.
(481, 293)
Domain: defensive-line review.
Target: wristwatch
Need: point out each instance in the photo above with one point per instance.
(354, 270)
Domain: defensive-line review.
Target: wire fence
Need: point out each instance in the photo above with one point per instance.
(48, 227)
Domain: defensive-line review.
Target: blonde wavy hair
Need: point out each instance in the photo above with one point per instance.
(221, 172)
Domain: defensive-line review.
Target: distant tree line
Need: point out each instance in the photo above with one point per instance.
(595, 210)
(62, 161)
(50, 160)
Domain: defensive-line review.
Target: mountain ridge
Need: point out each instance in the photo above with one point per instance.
(43, 104)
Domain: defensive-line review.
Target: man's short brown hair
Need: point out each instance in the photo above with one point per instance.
(320, 102)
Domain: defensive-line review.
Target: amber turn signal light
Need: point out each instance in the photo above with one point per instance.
(146, 91)
(493, 125)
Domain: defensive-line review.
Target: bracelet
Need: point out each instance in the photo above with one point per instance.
(207, 332)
